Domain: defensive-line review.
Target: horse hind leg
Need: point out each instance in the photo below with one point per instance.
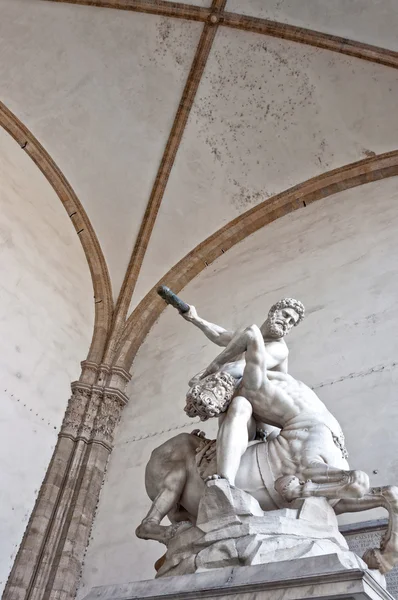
(165, 502)
(385, 557)
(325, 481)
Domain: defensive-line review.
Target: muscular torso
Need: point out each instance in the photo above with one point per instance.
(276, 351)
(286, 402)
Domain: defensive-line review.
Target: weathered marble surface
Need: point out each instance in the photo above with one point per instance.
(319, 577)
(306, 458)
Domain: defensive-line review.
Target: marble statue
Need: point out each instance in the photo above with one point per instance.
(284, 489)
(217, 390)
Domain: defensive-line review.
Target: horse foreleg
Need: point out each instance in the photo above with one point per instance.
(323, 480)
(385, 557)
(164, 503)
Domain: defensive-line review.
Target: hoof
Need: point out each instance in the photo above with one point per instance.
(289, 487)
(390, 493)
(175, 529)
(376, 560)
(140, 532)
(372, 558)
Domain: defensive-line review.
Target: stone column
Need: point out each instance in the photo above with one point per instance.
(47, 566)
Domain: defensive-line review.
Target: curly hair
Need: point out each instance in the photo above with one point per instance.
(211, 396)
(296, 305)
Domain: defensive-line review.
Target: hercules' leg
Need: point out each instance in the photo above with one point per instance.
(236, 427)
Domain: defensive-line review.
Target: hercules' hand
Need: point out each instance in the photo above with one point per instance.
(191, 315)
(212, 368)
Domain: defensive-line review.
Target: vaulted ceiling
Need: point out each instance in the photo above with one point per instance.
(171, 120)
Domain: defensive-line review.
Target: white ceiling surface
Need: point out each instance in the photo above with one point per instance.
(99, 88)
(269, 114)
(370, 21)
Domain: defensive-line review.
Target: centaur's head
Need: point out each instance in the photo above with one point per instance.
(211, 396)
(282, 316)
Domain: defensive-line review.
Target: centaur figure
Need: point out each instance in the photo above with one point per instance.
(306, 458)
(238, 421)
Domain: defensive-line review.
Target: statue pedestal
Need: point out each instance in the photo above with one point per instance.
(232, 530)
(325, 577)
(236, 550)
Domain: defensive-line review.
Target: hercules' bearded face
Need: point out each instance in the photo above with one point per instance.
(281, 321)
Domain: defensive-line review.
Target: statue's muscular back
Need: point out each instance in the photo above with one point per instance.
(279, 399)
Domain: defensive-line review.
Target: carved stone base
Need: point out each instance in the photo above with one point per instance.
(330, 577)
(232, 530)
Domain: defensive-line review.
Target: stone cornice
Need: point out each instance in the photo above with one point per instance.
(111, 392)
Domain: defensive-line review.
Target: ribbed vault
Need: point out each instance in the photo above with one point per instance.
(298, 197)
(227, 30)
(172, 131)
(81, 223)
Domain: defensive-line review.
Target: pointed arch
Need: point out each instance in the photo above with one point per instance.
(92, 249)
(151, 306)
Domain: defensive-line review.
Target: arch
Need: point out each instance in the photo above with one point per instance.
(151, 306)
(294, 33)
(92, 249)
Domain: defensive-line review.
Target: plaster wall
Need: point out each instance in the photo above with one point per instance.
(46, 323)
(99, 88)
(269, 114)
(339, 256)
(371, 21)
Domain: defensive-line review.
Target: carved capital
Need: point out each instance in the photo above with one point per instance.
(93, 412)
(108, 416)
(77, 405)
(103, 374)
(87, 424)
